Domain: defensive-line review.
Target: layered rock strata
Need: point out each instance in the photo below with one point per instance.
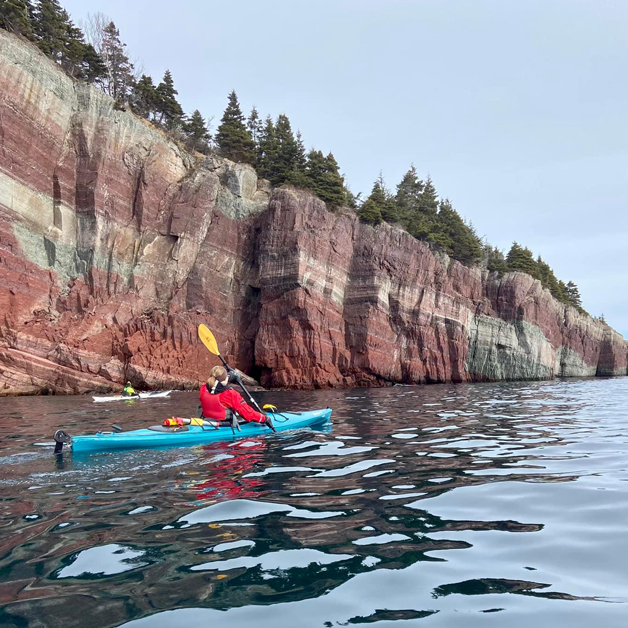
(115, 243)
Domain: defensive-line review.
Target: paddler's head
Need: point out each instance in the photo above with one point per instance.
(218, 374)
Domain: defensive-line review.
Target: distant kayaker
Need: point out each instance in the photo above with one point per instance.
(129, 391)
(219, 402)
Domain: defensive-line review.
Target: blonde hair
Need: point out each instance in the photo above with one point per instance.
(217, 374)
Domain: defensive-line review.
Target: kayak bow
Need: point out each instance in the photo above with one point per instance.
(158, 436)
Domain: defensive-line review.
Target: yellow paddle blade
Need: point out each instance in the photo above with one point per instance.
(269, 406)
(207, 338)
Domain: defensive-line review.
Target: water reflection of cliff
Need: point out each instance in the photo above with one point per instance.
(293, 517)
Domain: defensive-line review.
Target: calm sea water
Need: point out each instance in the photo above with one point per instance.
(470, 505)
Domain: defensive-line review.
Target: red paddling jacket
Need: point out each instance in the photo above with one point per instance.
(216, 400)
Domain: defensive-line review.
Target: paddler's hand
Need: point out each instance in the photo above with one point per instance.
(269, 423)
(234, 377)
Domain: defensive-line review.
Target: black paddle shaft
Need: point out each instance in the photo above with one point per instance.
(248, 394)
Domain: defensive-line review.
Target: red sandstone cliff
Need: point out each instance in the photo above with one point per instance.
(115, 244)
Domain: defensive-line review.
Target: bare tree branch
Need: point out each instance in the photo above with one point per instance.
(94, 27)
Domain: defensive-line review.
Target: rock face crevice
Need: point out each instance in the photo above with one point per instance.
(115, 244)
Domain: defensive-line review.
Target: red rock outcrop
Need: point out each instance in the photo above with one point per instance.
(115, 244)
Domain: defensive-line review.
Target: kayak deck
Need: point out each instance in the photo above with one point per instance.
(196, 435)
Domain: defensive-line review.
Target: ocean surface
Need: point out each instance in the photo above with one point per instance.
(438, 506)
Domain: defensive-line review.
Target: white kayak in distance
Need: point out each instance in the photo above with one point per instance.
(143, 395)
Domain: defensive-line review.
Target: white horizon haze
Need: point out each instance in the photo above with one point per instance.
(517, 110)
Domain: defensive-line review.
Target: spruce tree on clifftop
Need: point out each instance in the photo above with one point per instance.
(233, 138)
(144, 98)
(91, 66)
(285, 156)
(267, 147)
(573, 295)
(79, 59)
(379, 205)
(50, 23)
(456, 237)
(197, 133)
(495, 260)
(407, 197)
(370, 212)
(119, 78)
(389, 206)
(298, 174)
(254, 124)
(55, 34)
(324, 179)
(428, 198)
(15, 17)
(168, 107)
(421, 222)
(548, 279)
(333, 185)
(521, 259)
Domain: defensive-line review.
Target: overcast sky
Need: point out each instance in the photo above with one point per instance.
(517, 108)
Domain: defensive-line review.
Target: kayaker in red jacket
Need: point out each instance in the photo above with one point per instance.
(217, 400)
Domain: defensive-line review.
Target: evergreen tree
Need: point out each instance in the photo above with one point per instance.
(548, 278)
(495, 260)
(378, 193)
(423, 216)
(60, 39)
(79, 59)
(267, 147)
(93, 68)
(315, 170)
(168, 107)
(197, 133)
(15, 16)
(255, 125)
(428, 198)
(562, 292)
(298, 175)
(144, 98)
(456, 237)
(389, 209)
(73, 51)
(370, 212)
(324, 179)
(301, 158)
(379, 205)
(521, 259)
(407, 197)
(283, 162)
(119, 79)
(233, 138)
(50, 27)
(333, 184)
(573, 295)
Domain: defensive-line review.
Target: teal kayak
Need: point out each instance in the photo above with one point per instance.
(194, 434)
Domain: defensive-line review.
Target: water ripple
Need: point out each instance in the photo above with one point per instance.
(470, 505)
